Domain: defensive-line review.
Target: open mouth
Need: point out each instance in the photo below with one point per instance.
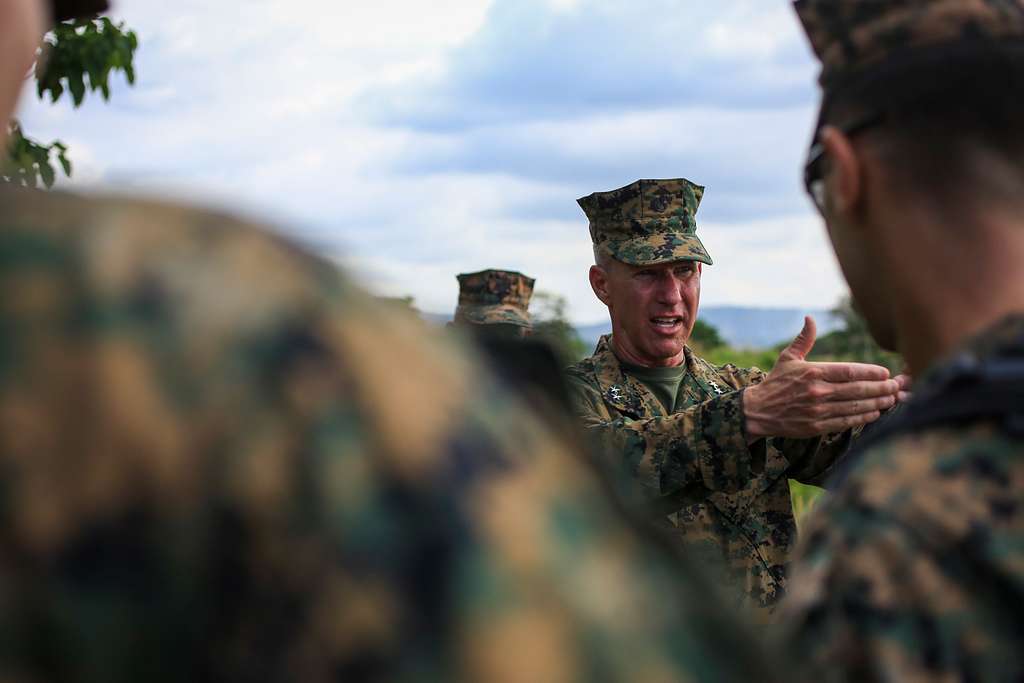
(667, 323)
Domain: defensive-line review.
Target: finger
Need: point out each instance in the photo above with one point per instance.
(906, 381)
(804, 342)
(848, 391)
(904, 396)
(858, 407)
(841, 424)
(852, 372)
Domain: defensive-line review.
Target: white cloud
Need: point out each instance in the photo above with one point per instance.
(263, 109)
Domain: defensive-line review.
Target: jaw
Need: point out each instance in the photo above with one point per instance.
(651, 348)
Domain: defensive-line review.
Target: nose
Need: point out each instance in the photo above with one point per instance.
(668, 291)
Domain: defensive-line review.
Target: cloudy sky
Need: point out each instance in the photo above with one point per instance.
(415, 140)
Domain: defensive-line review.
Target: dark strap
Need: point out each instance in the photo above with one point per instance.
(991, 390)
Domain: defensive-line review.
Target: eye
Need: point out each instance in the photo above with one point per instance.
(684, 272)
(645, 275)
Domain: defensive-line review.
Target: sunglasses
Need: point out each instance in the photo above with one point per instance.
(814, 169)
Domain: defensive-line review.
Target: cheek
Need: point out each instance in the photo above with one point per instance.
(846, 254)
(691, 293)
(631, 299)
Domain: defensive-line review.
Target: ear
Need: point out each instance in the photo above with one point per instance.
(599, 283)
(843, 179)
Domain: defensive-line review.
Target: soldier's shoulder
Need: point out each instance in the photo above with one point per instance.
(939, 482)
(729, 373)
(908, 533)
(149, 226)
(223, 292)
(584, 370)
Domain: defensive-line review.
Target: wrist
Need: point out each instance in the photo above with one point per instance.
(752, 428)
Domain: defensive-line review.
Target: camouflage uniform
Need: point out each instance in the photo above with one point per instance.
(494, 297)
(220, 461)
(692, 470)
(914, 569)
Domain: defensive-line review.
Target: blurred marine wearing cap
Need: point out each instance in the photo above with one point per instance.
(221, 461)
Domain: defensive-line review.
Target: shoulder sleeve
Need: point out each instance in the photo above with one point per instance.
(855, 611)
(894, 581)
(739, 378)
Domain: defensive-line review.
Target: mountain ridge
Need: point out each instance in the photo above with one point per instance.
(743, 327)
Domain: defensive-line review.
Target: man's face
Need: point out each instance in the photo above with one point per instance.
(653, 309)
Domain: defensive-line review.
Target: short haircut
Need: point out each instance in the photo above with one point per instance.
(951, 121)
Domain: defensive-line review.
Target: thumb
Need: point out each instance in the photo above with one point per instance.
(803, 343)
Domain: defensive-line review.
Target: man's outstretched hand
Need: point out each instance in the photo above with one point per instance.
(800, 399)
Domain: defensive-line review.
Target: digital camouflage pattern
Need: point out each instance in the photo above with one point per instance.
(914, 570)
(647, 222)
(693, 474)
(494, 297)
(852, 36)
(220, 461)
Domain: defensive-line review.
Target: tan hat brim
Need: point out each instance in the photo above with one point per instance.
(492, 315)
(658, 249)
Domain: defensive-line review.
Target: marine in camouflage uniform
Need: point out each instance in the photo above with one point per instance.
(495, 299)
(684, 458)
(223, 462)
(914, 570)
(220, 461)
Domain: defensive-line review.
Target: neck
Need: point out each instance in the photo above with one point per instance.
(966, 284)
(630, 356)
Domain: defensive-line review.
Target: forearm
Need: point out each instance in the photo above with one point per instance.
(813, 460)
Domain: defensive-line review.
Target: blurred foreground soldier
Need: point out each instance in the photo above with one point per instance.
(696, 442)
(496, 302)
(914, 571)
(219, 461)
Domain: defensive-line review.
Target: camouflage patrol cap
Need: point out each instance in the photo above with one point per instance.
(853, 38)
(63, 10)
(494, 297)
(647, 222)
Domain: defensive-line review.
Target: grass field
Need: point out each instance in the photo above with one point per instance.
(805, 497)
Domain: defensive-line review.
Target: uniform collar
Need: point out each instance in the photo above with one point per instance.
(1003, 340)
(627, 394)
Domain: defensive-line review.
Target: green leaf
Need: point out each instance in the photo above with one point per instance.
(46, 171)
(92, 48)
(77, 86)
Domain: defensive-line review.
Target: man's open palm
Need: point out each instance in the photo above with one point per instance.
(801, 399)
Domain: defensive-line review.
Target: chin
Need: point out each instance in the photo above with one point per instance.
(879, 328)
(885, 337)
(667, 350)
